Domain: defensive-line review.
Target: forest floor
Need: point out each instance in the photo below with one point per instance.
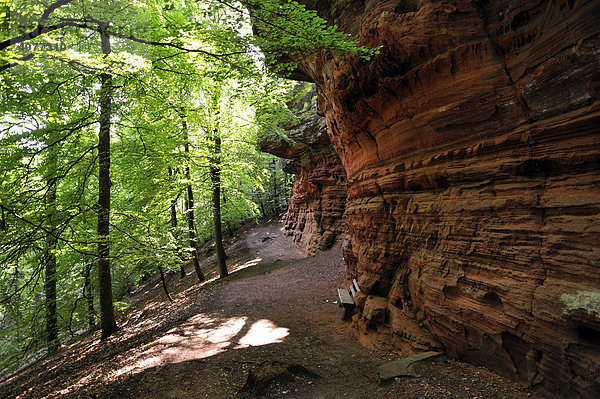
(277, 305)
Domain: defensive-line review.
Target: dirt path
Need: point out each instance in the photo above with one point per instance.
(275, 306)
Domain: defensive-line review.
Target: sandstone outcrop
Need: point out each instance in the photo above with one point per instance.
(315, 215)
(472, 150)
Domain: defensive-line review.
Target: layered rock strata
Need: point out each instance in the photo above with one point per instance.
(315, 215)
(472, 150)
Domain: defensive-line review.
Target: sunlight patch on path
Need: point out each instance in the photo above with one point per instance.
(249, 263)
(198, 340)
(263, 332)
(201, 337)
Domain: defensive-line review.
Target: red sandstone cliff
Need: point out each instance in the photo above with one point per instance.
(472, 150)
(315, 216)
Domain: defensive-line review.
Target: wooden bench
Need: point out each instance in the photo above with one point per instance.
(347, 299)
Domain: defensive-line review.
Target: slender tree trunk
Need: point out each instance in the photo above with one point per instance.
(164, 283)
(174, 227)
(50, 258)
(275, 199)
(89, 296)
(107, 316)
(215, 177)
(3, 225)
(190, 211)
(192, 230)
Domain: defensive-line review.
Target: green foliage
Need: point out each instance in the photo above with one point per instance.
(173, 63)
(285, 26)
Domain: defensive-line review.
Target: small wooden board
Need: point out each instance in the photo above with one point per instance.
(345, 298)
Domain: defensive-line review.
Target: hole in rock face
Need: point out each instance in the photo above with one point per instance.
(442, 182)
(571, 4)
(519, 20)
(589, 335)
(380, 288)
(451, 292)
(398, 303)
(369, 87)
(492, 299)
(407, 6)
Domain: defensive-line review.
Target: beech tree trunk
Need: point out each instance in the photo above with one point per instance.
(50, 260)
(215, 177)
(190, 211)
(174, 227)
(107, 316)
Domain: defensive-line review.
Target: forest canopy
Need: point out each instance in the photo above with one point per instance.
(127, 140)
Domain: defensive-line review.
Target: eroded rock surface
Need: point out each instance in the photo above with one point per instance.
(472, 151)
(315, 216)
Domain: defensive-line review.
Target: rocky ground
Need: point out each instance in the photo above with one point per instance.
(276, 316)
